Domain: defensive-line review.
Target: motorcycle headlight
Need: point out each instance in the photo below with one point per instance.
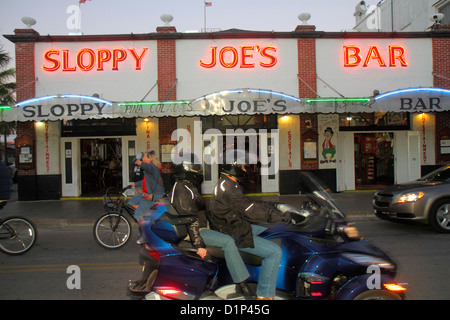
(367, 260)
(410, 197)
(350, 231)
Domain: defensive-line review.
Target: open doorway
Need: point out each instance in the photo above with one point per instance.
(251, 181)
(374, 160)
(249, 133)
(101, 165)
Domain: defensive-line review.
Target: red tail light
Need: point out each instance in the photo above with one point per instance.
(152, 253)
(173, 293)
(168, 292)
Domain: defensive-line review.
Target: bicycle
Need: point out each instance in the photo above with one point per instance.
(113, 229)
(17, 234)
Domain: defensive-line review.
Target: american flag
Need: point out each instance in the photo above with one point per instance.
(208, 4)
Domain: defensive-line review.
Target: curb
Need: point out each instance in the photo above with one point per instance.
(60, 223)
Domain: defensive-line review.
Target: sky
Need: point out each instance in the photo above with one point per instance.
(143, 16)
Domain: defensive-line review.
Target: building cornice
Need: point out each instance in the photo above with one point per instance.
(33, 36)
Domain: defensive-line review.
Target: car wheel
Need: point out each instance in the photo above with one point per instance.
(440, 216)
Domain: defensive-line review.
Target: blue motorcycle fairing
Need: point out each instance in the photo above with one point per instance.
(150, 221)
(166, 231)
(301, 254)
(316, 241)
(358, 284)
(189, 274)
(310, 251)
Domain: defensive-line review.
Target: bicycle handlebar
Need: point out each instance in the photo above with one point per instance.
(126, 188)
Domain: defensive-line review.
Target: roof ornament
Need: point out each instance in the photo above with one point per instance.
(304, 17)
(166, 18)
(28, 21)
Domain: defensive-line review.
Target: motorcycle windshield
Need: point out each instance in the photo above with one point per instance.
(311, 186)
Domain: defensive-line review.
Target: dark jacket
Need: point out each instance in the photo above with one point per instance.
(188, 201)
(233, 213)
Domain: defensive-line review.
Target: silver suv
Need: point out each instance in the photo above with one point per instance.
(425, 200)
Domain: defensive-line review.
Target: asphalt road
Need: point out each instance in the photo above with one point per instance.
(41, 273)
(423, 257)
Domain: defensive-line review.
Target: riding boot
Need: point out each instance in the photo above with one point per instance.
(141, 239)
(243, 289)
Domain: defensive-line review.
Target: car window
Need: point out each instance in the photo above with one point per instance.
(442, 174)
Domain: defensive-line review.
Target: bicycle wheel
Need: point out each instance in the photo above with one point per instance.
(17, 235)
(112, 230)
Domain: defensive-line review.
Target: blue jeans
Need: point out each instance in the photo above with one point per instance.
(269, 251)
(144, 205)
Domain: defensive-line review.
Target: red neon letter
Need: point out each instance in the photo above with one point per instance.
(91, 63)
(245, 55)
(66, 62)
(377, 56)
(213, 59)
(352, 55)
(233, 62)
(272, 58)
(138, 58)
(55, 62)
(103, 55)
(118, 55)
(400, 56)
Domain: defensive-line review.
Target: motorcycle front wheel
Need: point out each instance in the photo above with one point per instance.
(112, 230)
(378, 295)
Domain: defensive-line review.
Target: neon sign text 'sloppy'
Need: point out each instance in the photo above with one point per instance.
(88, 59)
(247, 57)
(353, 56)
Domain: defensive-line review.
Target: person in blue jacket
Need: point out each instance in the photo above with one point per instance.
(152, 186)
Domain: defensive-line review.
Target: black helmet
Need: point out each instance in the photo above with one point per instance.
(235, 161)
(188, 168)
(235, 169)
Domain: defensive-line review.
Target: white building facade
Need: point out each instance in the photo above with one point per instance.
(307, 99)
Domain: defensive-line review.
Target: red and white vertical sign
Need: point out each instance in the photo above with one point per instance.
(47, 153)
(424, 145)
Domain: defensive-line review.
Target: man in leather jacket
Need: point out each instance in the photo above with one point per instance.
(234, 214)
(187, 200)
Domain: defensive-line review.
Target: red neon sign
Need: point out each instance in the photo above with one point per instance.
(353, 56)
(234, 57)
(246, 56)
(87, 59)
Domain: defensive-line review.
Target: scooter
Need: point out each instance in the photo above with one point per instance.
(321, 259)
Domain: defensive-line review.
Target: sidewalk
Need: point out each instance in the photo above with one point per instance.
(60, 213)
